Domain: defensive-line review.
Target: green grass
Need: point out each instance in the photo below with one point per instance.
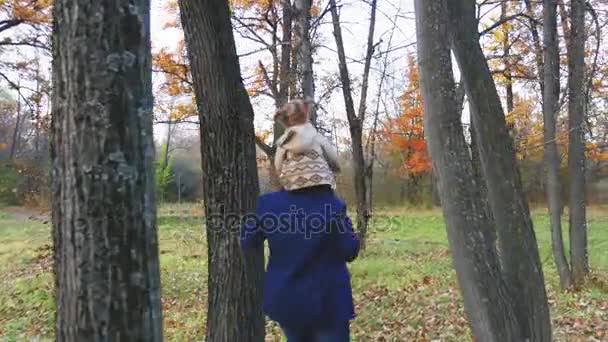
(404, 283)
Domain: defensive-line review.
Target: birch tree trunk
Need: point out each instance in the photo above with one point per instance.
(576, 150)
(517, 242)
(550, 112)
(230, 177)
(486, 296)
(104, 218)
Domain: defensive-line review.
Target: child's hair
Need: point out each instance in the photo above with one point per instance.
(296, 112)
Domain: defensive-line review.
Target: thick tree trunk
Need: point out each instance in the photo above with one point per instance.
(486, 296)
(230, 174)
(576, 150)
(482, 189)
(517, 242)
(104, 219)
(355, 122)
(550, 112)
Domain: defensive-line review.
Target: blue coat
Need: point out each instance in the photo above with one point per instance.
(310, 237)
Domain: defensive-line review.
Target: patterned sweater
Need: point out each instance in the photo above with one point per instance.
(305, 158)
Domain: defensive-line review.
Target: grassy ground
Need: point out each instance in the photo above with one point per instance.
(404, 285)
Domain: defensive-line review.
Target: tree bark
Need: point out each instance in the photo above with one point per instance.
(16, 133)
(506, 50)
(486, 296)
(356, 129)
(552, 160)
(285, 73)
(538, 53)
(303, 51)
(576, 150)
(167, 146)
(107, 275)
(517, 242)
(230, 177)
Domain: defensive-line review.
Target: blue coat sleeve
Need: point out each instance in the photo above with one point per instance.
(251, 235)
(346, 240)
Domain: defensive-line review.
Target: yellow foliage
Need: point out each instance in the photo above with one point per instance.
(253, 4)
(264, 134)
(258, 84)
(595, 153)
(30, 11)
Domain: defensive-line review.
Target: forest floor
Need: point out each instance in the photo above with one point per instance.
(404, 285)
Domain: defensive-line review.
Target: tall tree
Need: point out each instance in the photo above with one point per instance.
(104, 218)
(229, 167)
(356, 119)
(552, 158)
(486, 296)
(576, 150)
(520, 260)
(303, 47)
(506, 50)
(16, 133)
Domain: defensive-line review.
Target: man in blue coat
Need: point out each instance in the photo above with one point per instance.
(307, 286)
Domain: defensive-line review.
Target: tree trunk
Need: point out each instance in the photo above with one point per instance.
(550, 112)
(355, 122)
(517, 242)
(104, 218)
(167, 146)
(538, 49)
(482, 190)
(506, 50)
(285, 73)
(486, 296)
(576, 150)
(230, 177)
(16, 133)
(303, 51)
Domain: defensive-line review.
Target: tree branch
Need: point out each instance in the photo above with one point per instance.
(267, 149)
(7, 24)
(368, 60)
(506, 19)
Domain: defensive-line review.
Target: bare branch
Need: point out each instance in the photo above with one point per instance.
(505, 20)
(267, 149)
(368, 60)
(7, 24)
